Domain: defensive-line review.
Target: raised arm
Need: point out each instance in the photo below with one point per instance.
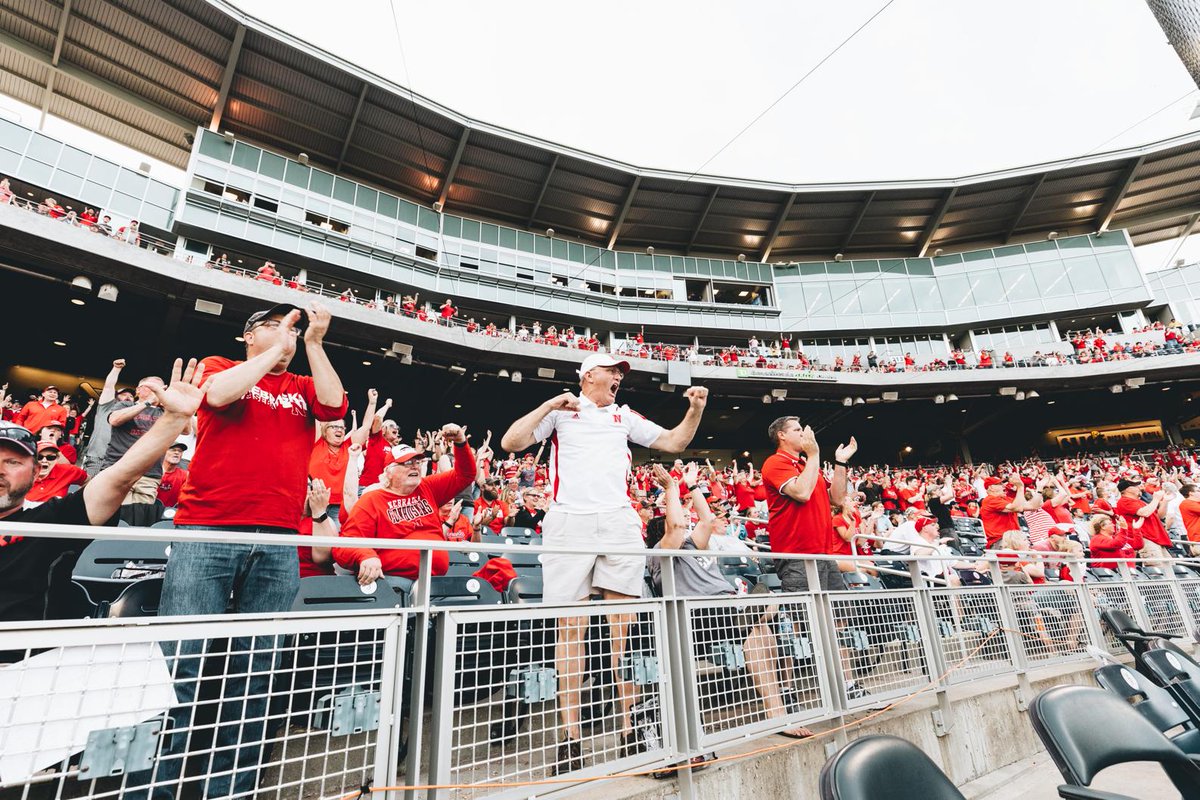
(675, 528)
(230, 385)
(103, 494)
(704, 516)
(361, 433)
(109, 392)
(519, 435)
(118, 418)
(325, 378)
(318, 506)
(841, 461)
(678, 438)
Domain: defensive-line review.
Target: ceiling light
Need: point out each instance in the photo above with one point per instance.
(1166, 388)
(60, 344)
(741, 256)
(951, 398)
(1116, 388)
(964, 411)
(908, 448)
(735, 408)
(941, 398)
(650, 250)
(516, 376)
(858, 401)
(1052, 235)
(838, 257)
(238, 339)
(502, 373)
(743, 293)
(766, 398)
(82, 282)
(458, 370)
(1050, 402)
(1032, 394)
(76, 301)
(870, 416)
(1020, 395)
(458, 405)
(745, 454)
(779, 394)
(847, 401)
(366, 363)
(709, 437)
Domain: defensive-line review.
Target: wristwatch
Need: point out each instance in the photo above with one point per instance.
(324, 516)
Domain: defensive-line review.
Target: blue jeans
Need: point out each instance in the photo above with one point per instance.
(211, 578)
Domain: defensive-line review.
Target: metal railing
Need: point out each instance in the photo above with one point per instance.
(447, 687)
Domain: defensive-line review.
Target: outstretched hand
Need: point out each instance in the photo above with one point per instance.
(186, 390)
(845, 452)
(662, 477)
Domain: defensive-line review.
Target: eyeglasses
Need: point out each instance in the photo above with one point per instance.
(47, 457)
(267, 323)
(18, 435)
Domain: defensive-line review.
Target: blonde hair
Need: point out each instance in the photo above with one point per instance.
(1098, 523)
(1010, 542)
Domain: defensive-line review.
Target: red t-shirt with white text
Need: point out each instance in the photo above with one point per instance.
(251, 460)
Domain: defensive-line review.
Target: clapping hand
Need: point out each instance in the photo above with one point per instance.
(183, 396)
(845, 452)
(662, 477)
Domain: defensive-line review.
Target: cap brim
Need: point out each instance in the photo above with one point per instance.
(282, 309)
(24, 448)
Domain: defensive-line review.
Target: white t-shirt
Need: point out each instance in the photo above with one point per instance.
(727, 544)
(589, 455)
(906, 531)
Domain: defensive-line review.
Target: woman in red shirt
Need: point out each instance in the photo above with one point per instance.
(316, 522)
(1108, 542)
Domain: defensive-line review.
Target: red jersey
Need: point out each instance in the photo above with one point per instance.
(840, 546)
(383, 514)
(35, 416)
(1151, 529)
(56, 483)
(797, 527)
(171, 485)
(330, 467)
(251, 456)
(997, 521)
(501, 510)
(376, 455)
(744, 495)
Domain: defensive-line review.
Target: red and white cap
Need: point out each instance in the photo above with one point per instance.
(602, 360)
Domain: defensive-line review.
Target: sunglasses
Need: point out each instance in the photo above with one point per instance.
(18, 435)
(47, 457)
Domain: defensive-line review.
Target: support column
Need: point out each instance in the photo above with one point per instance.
(512, 324)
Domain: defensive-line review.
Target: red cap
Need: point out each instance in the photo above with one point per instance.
(47, 446)
(991, 481)
(922, 522)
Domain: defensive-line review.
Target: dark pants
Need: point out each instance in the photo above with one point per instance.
(793, 575)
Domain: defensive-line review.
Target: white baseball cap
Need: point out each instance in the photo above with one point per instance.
(602, 360)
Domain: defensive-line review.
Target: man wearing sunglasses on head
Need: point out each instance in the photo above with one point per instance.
(25, 561)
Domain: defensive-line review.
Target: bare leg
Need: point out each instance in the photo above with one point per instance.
(761, 655)
(618, 626)
(568, 660)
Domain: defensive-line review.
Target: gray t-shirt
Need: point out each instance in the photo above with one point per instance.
(98, 443)
(123, 436)
(694, 576)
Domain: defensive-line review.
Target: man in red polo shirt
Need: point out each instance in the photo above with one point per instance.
(1145, 518)
(253, 440)
(173, 476)
(800, 498)
(37, 414)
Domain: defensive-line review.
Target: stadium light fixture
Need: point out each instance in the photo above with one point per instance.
(1052, 235)
(1020, 396)
(847, 401)
(858, 401)
(550, 232)
(779, 394)
(951, 398)
(940, 399)
(741, 256)
(1031, 394)
(650, 250)
(938, 252)
(516, 376)
(108, 292)
(838, 257)
(82, 282)
(908, 448)
(502, 373)
(303, 158)
(1116, 388)
(75, 301)
(767, 399)
(1007, 391)
(437, 207)
(458, 370)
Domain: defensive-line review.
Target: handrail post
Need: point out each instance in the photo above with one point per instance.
(419, 601)
(1016, 643)
(686, 725)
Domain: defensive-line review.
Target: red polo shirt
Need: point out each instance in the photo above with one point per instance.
(330, 467)
(797, 527)
(1151, 529)
(56, 483)
(997, 521)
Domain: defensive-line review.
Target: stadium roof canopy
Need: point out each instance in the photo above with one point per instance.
(146, 73)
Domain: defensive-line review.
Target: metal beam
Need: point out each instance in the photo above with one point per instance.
(362, 97)
(59, 37)
(938, 216)
(537, 204)
(1012, 229)
(712, 198)
(862, 213)
(235, 51)
(1110, 206)
(1187, 231)
(616, 231)
(777, 226)
(448, 178)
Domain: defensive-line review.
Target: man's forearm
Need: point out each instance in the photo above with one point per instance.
(118, 418)
(519, 435)
(103, 494)
(231, 385)
(110, 385)
(837, 491)
(325, 378)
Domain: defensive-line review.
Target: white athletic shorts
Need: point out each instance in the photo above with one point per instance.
(567, 577)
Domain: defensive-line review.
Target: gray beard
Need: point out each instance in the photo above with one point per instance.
(8, 501)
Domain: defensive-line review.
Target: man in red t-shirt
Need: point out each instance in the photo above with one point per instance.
(37, 414)
(330, 456)
(799, 498)
(55, 475)
(377, 453)
(173, 476)
(1000, 506)
(407, 507)
(1144, 517)
(253, 440)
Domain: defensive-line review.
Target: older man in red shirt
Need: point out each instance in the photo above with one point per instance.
(406, 507)
(1144, 517)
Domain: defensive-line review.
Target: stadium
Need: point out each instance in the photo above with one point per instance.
(978, 330)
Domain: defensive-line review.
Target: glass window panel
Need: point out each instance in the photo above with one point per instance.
(558, 249)
(871, 297)
(1051, 278)
(1072, 245)
(96, 192)
(389, 205)
(840, 268)
(508, 238)
(131, 183)
(608, 259)
(37, 173)
(986, 288)
(898, 295)
(955, 291)
(343, 190)
(541, 245)
(9, 161)
(160, 194)
(124, 204)
(947, 261)
(1120, 269)
(525, 242)
(846, 297)
(73, 161)
(1041, 251)
(1009, 256)
(815, 268)
(215, 146)
(575, 252)
(591, 255)
(1019, 283)
(245, 156)
(452, 226)
(919, 266)
(470, 230)
(926, 294)
(296, 175)
(14, 136)
(366, 198)
(408, 213)
(816, 298)
(488, 233)
(625, 260)
(427, 218)
(271, 165)
(68, 184)
(1085, 274)
(864, 267)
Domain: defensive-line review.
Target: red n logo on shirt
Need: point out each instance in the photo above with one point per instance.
(616, 418)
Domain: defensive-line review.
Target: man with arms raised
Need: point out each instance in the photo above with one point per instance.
(254, 438)
(590, 510)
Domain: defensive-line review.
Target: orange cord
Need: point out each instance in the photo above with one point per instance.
(687, 765)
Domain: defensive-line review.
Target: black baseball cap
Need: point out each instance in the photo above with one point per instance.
(18, 437)
(282, 310)
(1125, 483)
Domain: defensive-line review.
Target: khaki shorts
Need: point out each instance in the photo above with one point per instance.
(144, 492)
(567, 577)
(1154, 553)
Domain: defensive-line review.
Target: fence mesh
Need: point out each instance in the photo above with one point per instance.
(1161, 604)
(880, 640)
(1050, 620)
(1112, 595)
(965, 620)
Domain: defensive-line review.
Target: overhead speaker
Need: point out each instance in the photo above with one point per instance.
(402, 349)
(545, 372)
(209, 307)
(890, 397)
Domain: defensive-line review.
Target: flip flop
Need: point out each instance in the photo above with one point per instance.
(802, 733)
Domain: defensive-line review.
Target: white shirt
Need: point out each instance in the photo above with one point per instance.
(906, 531)
(724, 543)
(589, 455)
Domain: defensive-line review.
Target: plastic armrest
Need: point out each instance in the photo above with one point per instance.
(1084, 793)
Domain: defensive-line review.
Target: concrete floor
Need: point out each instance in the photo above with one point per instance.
(1037, 778)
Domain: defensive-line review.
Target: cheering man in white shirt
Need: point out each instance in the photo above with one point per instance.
(590, 510)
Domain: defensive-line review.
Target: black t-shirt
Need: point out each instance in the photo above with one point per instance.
(524, 519)
(872, 493)
(123, 437)
(941, 512)
(25, 561)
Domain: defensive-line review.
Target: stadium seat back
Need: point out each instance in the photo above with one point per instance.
(1077, 724)
(1152, 702)
(521, 561)
(342, 593)
(1101, 574)
(453, 590)
(872, 767)
(524, 589)
(139, 599)
(519, 535)
(471, 557)
(109, 559)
